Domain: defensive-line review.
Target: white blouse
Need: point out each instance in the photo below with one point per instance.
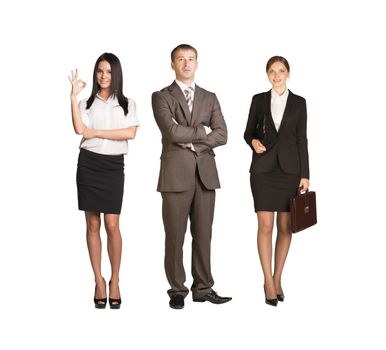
(107, 115)
(278, 103)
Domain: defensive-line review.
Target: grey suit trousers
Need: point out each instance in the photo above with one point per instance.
(197, 204)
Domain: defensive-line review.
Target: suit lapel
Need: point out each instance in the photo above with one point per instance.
(198, 96)
(176, 92)
(287, 110)
(268, 109)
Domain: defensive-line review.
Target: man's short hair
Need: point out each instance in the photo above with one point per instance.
(182, 47)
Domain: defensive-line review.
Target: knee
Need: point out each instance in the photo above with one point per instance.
(93, 227)
(284, 230)
(265, 229)
(284, 227)
(112, 228)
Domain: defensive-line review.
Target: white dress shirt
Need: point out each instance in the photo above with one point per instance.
(183, 87)
(278, 103)
(107, 115)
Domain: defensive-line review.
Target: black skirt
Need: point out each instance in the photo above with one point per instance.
(272, 191)
(100, 181)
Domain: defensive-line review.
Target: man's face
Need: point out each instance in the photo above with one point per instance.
(185, 65)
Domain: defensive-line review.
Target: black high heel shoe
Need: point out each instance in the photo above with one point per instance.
(115, 303)
(280, 297)
(272, 302)
(99, 303)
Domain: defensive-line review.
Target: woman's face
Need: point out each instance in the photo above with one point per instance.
(278, 75)
(103, 75)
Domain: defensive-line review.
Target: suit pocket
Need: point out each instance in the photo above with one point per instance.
(177, 171)
(170, 154)
(208, 172)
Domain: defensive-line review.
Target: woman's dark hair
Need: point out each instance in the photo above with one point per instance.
(275, 59)
(116, 81)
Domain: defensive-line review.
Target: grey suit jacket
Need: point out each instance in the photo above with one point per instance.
(178, 165)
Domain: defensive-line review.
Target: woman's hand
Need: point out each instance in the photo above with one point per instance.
(258, 146)
(89, 133)
(304, 184)
(77, 84)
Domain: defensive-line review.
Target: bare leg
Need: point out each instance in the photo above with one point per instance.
(283, 243)
(114, 248)
(94, 245)
(264, 246)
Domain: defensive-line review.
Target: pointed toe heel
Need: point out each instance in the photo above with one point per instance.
(271, 302)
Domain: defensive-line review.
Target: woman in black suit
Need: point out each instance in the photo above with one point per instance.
(276, 133)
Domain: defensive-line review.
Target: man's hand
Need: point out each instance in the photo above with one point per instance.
(185, 145)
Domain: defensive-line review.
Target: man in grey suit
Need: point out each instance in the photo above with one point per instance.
(191, 124)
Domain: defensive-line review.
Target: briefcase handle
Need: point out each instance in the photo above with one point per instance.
(306, 198)
(300, 192)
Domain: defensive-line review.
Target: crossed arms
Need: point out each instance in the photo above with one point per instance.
(184, 135)
(88, 133)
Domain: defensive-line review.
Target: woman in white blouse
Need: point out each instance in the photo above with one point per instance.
(107, 120)
(276, 132)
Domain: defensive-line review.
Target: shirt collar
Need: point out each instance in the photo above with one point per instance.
(110, 100)
(184, 86)
(276, 97)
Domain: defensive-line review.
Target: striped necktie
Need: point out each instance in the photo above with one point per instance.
(188, 96)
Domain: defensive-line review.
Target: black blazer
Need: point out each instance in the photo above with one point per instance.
(289, 144)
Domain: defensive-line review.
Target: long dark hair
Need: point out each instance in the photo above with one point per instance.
(116, 81)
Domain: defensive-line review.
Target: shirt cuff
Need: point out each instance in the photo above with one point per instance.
(208, 130)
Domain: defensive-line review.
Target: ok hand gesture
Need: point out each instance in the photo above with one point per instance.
(77, 84)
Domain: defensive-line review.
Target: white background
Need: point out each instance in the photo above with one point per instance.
(334, 277)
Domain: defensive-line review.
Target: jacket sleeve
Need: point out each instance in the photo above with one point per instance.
(250, 129)
(172, 132)
(219, 134)
(301, 140)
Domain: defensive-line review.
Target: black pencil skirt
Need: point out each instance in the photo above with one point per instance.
(272, 191)
(100, 180)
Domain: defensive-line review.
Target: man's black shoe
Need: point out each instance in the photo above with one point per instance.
(176, 301)
(214, 298)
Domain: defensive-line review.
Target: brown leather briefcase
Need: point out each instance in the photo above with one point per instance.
(303, 211)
